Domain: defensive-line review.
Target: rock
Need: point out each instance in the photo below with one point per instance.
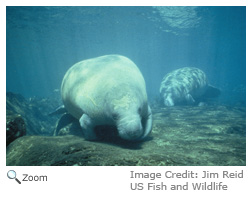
(34, 112)
(64, 151)
(181, 136)
(15, 127)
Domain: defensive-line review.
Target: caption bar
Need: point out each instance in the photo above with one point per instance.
(154, 183)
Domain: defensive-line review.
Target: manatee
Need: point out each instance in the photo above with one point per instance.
(107, 90)
(186, 85)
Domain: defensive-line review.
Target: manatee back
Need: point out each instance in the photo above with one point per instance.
(89, 85)
(187, 80)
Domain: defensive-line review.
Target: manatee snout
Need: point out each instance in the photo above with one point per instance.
(130, 127)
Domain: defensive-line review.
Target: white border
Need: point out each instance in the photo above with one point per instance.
(93, 181)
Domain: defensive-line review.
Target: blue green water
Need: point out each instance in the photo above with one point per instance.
(43, 42)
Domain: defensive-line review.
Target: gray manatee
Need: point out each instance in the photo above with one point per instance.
(108, 90)
(186, 86)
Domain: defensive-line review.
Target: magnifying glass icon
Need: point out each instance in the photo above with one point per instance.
(12, 175)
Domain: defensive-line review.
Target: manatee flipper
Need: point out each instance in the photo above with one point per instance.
(59, 110)
(148, 124)
(190, 100)
(88, 127)
(65, 120)
(211, 92)
(169, 101)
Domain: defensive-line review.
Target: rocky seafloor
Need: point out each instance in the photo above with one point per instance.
(182, 136)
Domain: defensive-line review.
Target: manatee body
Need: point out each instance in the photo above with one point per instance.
(186, 86)
(108, 90)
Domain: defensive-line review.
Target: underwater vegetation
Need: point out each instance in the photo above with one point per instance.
(211, 135)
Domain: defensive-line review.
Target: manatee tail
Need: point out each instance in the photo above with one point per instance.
(65, 120)
(59, 110)
(212, 92)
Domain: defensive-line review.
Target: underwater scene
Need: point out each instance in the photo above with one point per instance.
(126, 86)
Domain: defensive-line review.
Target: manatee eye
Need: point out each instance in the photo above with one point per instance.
(139, 110)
